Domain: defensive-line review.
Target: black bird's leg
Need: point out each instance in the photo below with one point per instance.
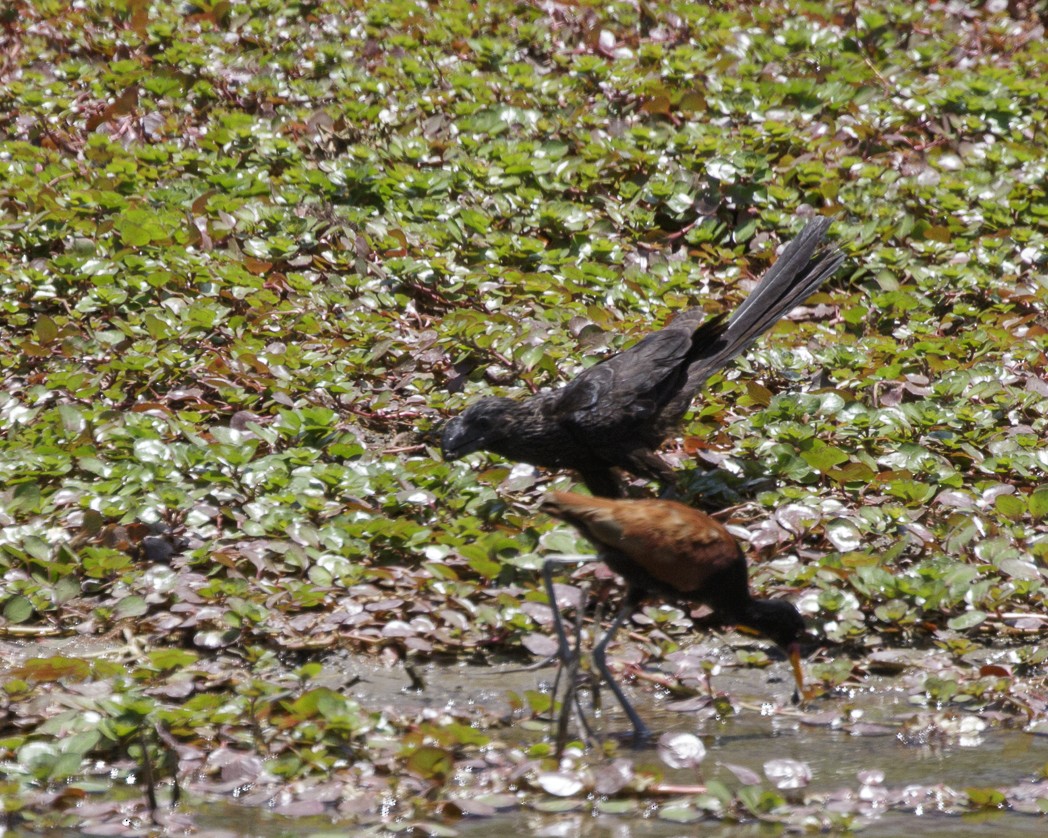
(602, 482)
(649, 464)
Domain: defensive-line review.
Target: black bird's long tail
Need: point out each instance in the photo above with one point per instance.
(794, 277)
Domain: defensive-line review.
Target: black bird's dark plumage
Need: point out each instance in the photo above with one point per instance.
(618, 412)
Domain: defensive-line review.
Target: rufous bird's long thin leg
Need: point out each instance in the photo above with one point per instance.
(600, 660)
(573, 678)
(569, 658)
(563, 647)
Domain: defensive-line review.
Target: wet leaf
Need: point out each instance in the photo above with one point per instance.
(18, 609)
(53, 669)
(681, 750)
(617, 807)
(557, 807)
(431, 762)
(844, 535)
(967, 620)
(1038, 502)
(132, 606)
(541, 645)
(743, 775)
(681, 814)
(986, 798)
(824, 457)
(787, 773)
(560, 784)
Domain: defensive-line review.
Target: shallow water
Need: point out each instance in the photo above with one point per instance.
(766, 726)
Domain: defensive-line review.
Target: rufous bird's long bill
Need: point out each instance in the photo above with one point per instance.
(794, 654)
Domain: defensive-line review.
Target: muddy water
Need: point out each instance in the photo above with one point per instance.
(886, 745)
(879, 739)
(760, 731)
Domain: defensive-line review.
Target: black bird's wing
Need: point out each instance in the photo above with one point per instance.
(623, 394)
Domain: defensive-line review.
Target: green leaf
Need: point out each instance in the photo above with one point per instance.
(431, 762)
(538, 702)
(131, 606)
(45, 330)
(851, 473)
(72, 418)
(164, 659)
(1011, 506)
(967, 620)
(681, 813)
(1038, 502)
(911, 491)
(18, 609)
(81, 743)
(65, 766)
(824, 457)
(486, 567)
(988, 798)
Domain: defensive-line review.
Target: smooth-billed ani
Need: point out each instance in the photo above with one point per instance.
(618, 412)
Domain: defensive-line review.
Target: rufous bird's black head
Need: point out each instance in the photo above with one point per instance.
(781, 622)
(483, 424)
(776, 619)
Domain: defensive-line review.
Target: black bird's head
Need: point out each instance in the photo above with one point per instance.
(478, 428)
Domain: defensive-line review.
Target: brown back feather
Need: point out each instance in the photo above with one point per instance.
(677, 545)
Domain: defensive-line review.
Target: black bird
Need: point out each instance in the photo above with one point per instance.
(666, 548)
(618, 412)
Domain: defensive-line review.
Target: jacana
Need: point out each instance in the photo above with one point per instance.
(664, 548)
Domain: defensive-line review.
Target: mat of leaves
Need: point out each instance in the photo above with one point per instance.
(251, 257)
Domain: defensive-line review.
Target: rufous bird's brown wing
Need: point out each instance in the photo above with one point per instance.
(675, 544)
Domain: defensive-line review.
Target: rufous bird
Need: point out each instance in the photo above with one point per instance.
(665, 548)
